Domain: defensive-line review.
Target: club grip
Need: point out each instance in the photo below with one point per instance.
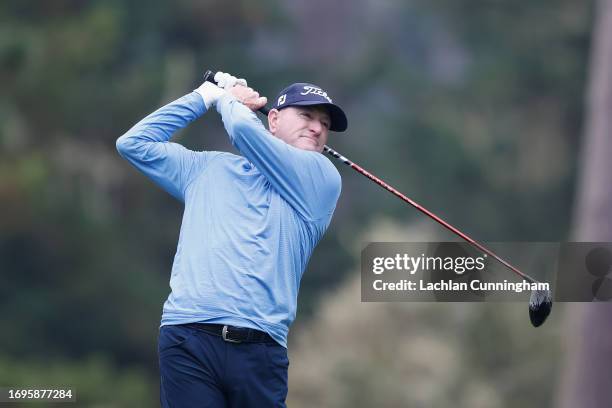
(210, 77)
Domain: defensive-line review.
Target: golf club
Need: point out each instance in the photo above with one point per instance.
(540, 302)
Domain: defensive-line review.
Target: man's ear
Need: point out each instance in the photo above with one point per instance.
(273, 120)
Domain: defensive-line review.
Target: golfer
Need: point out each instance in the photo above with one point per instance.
(250, 224)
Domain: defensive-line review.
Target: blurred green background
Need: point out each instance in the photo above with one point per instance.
(474, 108)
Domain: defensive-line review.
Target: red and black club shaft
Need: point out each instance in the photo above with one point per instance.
(425, 211)
(209, 76)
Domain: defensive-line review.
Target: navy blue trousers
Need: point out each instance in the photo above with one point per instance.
(199, 369)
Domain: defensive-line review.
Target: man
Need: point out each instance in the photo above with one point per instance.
(250, 224)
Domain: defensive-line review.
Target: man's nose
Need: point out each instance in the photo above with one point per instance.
(316, 127)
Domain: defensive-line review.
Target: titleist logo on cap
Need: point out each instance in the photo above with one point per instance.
(306, 94)
(316, 91)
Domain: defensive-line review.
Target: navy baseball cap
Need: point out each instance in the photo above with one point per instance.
(304, 94)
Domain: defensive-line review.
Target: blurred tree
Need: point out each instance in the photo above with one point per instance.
(95, 382)
(588, 373)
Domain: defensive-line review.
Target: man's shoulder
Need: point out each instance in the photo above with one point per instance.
(331, 173)
(328, 164)
(319, 162)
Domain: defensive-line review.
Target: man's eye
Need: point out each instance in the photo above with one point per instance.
(326, 125)
(306, 115)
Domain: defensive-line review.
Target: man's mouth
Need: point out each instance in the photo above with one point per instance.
(312, 139)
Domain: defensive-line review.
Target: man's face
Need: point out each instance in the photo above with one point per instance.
(304, 127)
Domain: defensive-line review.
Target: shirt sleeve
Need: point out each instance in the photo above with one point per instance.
(147, 147)
(307, 180)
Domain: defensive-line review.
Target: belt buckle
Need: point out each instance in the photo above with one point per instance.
(224, 336)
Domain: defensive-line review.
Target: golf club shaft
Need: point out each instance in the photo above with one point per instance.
(209, 76)
(425, 211)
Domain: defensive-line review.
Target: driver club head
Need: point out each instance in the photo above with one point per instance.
(540, 304)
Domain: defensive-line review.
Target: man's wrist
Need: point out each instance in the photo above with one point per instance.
(209, 93)
(224, 99)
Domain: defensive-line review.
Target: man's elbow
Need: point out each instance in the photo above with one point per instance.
(125, 145)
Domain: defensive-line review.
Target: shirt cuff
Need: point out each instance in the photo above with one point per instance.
(198, 100)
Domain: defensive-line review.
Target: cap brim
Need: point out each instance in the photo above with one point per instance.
(339, 122)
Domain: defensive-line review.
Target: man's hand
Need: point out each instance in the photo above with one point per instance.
(210, 92)
(227, 81)
(248, 97)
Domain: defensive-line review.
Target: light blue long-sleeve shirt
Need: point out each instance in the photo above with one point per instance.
(250, 223)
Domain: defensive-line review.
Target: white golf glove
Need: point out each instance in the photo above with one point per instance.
(227, 81)
(211, 93)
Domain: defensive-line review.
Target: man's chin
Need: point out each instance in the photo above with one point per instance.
(308, 145)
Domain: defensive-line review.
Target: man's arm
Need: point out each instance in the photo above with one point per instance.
(147, 147)
(307, 180)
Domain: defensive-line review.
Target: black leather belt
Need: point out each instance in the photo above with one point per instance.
(233, 334)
